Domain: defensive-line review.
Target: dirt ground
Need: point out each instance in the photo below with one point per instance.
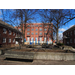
(4, 61)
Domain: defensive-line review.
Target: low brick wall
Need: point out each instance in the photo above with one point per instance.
(40, 55)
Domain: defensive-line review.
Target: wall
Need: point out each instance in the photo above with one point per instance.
(40, 55)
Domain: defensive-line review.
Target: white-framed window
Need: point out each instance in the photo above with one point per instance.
(13, 40)
(9, 32)
(9, 40)
(4, 40)
(4, 31)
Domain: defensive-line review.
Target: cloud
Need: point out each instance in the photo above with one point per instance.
(60, 35)
(62, 29)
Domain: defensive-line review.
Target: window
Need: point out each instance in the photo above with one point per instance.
(28, 25)
(36, 33)
(45, 33)
(16, 34)
(36, 29)
(28, 33)
(13, 40)
(28, 29)
(9, 32)
(49, 33)
(19, 29)
(45, 29)
(70, 40)
(40, 25)
(4, 31)
(32, 25)
(36, 25)
(71, 32)
(68, 33)
(40, 29)
(32, 29)
(45, 25)
(49, 29)
(40, 33)
(9, 40)
(13, 34)
(32, 33)
(4, 40)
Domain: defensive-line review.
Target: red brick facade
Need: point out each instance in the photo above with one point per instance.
(38, 31)
(69, 36)
(7, 38)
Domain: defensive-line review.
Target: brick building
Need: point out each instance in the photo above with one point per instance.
(37, 33)
(8, 34)
(69, 36)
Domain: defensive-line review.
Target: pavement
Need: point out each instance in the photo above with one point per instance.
(4, 61)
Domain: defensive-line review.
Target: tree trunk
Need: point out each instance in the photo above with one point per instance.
(57, 35)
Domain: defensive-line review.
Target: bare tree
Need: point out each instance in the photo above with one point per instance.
(26, 16)
(59, 17)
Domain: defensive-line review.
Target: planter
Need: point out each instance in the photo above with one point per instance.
(40, 55)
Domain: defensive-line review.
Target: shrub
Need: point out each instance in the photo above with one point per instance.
(60, 44)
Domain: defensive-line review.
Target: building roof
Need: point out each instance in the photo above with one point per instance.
(3, 24)
(71, 28)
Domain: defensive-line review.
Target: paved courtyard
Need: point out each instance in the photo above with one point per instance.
(4, 61)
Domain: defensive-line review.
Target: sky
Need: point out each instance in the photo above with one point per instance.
(38, 20)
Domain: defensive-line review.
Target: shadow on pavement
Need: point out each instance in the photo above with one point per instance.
(21, 60)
